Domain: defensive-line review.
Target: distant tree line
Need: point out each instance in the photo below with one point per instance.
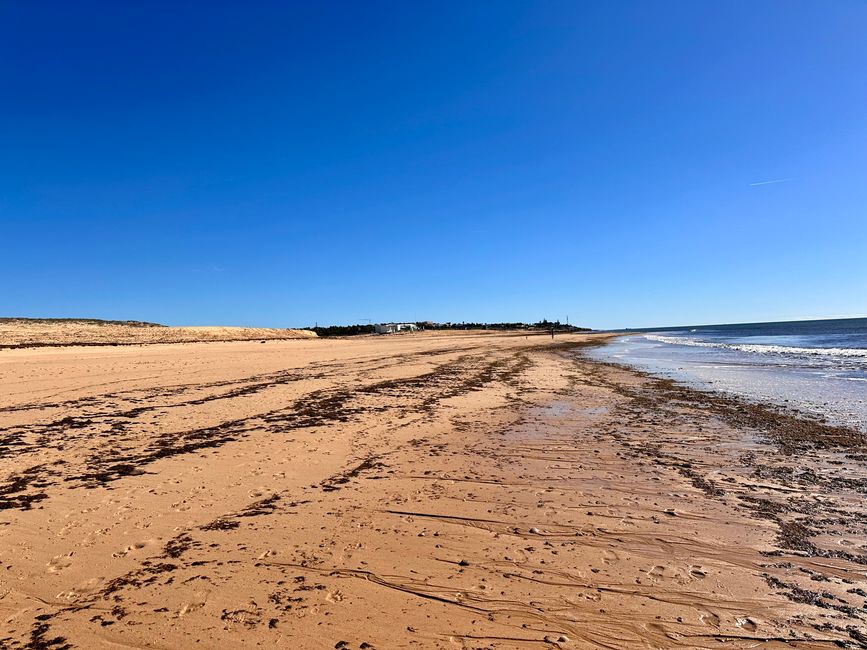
(545, 325)
(342, 330)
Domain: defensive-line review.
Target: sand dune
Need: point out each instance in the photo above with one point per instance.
(18, 332)
(413, 492)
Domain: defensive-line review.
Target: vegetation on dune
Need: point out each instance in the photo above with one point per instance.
(83, 321)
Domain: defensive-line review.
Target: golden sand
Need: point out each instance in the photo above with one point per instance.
(22, 333)
(423, 490)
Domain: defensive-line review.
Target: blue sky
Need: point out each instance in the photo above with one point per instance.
(280, 164)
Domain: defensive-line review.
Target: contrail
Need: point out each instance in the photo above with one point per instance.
(778, 180)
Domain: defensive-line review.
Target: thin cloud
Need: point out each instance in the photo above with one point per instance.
(776, 180)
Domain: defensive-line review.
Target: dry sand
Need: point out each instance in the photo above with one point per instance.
(427, 491)
(34, 332)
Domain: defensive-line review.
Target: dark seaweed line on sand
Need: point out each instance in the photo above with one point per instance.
(322, 370)
(318, 408)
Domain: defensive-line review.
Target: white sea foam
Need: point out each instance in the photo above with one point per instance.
(762, 349)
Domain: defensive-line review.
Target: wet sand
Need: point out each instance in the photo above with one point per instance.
(428, 491)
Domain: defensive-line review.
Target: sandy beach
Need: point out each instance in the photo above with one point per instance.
(460, 490)
(53, 332)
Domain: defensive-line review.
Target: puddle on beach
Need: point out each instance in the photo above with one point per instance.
(567, 412)
(561, 409)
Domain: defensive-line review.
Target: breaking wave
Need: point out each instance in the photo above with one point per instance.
(762, 349)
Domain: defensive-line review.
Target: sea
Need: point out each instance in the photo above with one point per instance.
(816, 367)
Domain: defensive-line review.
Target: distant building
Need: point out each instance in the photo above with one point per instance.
(393, 328)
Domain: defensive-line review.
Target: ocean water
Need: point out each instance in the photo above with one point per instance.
(816, 367)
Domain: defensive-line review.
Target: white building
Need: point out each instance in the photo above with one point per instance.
(392, 328)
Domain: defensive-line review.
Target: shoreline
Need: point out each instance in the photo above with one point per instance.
(474, 491)
(789, 387)
(761, 414)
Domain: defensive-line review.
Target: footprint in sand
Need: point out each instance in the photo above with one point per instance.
(746, 623)
(657, 572)
(82, 590)
(65, 530)
(137, 546)
(197, 602)
(59, 562)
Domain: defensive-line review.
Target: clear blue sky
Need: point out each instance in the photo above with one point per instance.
(279, 163)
